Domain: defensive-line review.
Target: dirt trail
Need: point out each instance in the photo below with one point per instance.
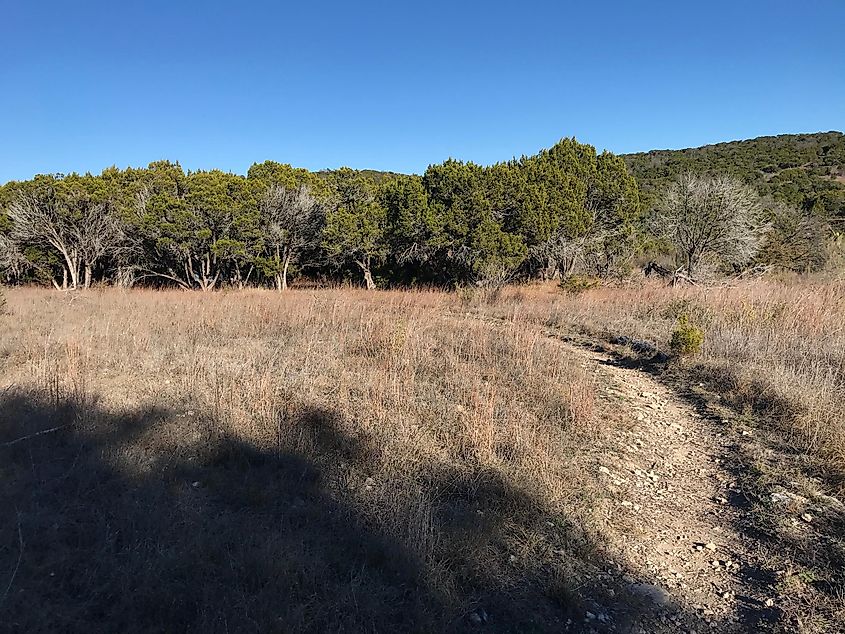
(673, 507)
(677, 520)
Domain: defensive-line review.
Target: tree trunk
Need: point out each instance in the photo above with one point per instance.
(285, 272)
(87, 276)
(551, 270)
(368, 274)
(72, 270)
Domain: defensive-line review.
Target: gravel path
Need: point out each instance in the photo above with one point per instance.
(674, 508)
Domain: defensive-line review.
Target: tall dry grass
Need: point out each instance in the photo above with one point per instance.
(193, 428)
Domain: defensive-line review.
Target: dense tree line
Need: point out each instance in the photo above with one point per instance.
(458, 223)
(564, 211)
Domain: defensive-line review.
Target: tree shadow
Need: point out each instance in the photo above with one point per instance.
(157, 520)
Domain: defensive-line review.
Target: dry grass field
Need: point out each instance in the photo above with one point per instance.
(339, 460)
(329, 461)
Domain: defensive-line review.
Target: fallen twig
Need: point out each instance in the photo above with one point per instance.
(18, 564)
(38, 433)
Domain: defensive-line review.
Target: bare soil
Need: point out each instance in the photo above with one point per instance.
(683, 514)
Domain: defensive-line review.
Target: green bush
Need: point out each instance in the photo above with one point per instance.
(576, 284)
(687, 338)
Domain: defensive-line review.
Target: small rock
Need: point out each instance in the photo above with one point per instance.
(710, 546)
(769, 603)
(807, 517)
(604, 470)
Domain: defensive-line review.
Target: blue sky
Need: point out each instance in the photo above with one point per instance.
(393, 85)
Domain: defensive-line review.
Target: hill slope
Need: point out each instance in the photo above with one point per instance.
(803, 169)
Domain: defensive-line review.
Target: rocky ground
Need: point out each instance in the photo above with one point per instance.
(684, 513)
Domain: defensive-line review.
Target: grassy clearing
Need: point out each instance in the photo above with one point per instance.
(339, 460)
(328, 461)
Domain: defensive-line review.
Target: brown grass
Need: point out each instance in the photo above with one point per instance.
(347, 461)
(321, 461)
(774, 348)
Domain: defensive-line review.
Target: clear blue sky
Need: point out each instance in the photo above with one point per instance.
(399, 85)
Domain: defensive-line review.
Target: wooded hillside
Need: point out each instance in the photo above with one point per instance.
(806, 170)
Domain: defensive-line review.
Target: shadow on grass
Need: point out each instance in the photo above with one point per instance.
(157, 521)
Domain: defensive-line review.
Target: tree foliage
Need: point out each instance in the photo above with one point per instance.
(566, 211)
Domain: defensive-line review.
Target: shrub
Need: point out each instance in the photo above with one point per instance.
(686, 338)
(576, 284)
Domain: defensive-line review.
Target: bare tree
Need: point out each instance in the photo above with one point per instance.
(12, 260)
(561, 254)
(291, 220)
(41, 218)
(100, 235)
(83, 232)
(713, 220)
